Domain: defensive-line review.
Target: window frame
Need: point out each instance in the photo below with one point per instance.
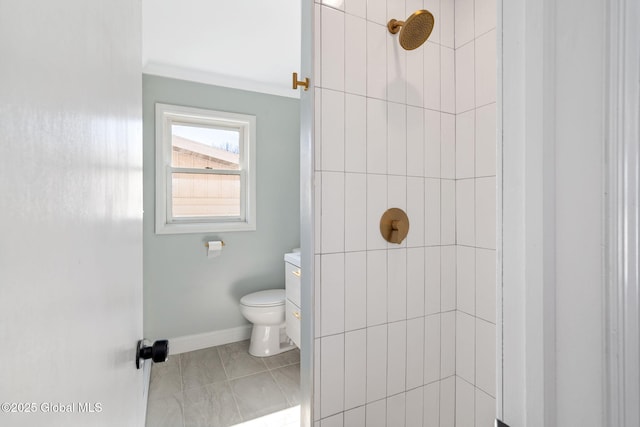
(168, 115)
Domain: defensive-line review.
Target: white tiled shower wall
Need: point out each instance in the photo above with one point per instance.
(386, 315)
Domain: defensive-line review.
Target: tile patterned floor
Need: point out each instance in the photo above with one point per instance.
(221, 387)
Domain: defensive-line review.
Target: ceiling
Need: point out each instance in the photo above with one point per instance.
(245, 44)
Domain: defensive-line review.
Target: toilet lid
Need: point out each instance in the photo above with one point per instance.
(266, 298)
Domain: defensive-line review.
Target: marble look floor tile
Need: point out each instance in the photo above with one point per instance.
(165, 379)
(165, 412)
(283, 359)
(238, 362)
(210, 406)
(257, 395)
(288, 379)
(201, 367)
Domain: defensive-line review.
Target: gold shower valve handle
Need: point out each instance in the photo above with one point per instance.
(296, 82)
(394, 225)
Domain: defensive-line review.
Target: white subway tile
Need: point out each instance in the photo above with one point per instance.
(397, 139)
(377, 11)
(486, 74)
(377, 414)
(432, 348)
(414, 405)
(448, 146)
(397, 284)
(332, 294)
(415, 211)
(333, 421)
(396, 409)
(317, 149)
(355, 232)
(465, 212)
(317, 295)
(486, 212)
(486, 140)
(396, 197)
(355, 417)
(415, 76)
(376, 205)
(465, 145)
(376, 363)
(376, 60)
(396, 69)
(355, 373)
(415, 353)
(447, 23)
(448, 278)
(432, 405)
(332, 375)
(465, 92)
(317, 45)
(464, 22)
(318, 212)
(336, 4)
(485, 409)
(376, 287)
(355, 60)
(316, 378)
(332, 130)
(432, 210)
(396, 10)
(448, 212)
(486, 284)
(448, 402)
(485, 16)
(486, 356)
(466, 279)
(415, 282)
(447, 344)
(397, 354)
(356, 7)
(465, 404)
(432, 280)
(376, 136)
(433, 6)
(355, 150)
(332, 212)
(465, 346)
(432, 144)
(332, 48)
(432, 79)
(448, 79)
(415, 141)
(355, 290)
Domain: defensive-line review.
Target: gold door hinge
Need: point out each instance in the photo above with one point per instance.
(296, 82)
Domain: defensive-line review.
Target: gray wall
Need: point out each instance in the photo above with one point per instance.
(185, 292)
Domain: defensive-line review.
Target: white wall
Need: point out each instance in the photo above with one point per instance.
(71, 217)
(385, 137)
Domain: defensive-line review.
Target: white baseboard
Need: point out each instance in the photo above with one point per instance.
(208, 339)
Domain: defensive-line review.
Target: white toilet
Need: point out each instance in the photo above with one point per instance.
(265, 309)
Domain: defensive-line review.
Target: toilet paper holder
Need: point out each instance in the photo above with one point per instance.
(206, 245)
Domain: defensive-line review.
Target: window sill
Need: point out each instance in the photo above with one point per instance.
(186, 228)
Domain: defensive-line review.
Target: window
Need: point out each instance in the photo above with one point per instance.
(205, 163)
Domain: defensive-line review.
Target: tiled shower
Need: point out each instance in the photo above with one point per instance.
(405, 334)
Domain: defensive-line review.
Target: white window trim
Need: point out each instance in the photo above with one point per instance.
(165, 115)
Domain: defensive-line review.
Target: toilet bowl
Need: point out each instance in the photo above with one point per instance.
(265, 309)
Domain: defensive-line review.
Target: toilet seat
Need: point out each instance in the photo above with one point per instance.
(268, 298)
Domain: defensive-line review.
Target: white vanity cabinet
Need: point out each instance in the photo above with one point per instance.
(293, 313)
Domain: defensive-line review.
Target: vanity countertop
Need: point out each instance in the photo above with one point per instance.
(293, 258)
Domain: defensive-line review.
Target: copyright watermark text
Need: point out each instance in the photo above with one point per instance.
(51, 407)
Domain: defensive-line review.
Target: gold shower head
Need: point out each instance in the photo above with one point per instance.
(415, 30)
